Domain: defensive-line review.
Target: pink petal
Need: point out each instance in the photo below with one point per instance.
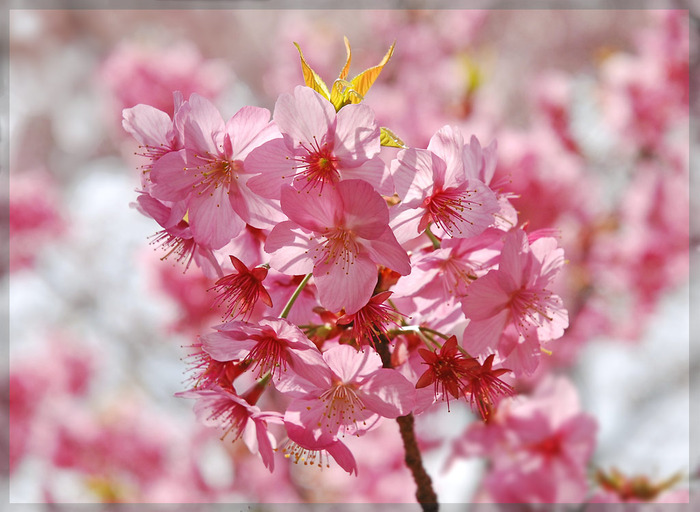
(414, 173)
(514, 257)
(257, 211)
(306, 116)
(290, 247)
(364, 211)
(374, 172)
(212, 220)
(148, 125)
(553, 327)
(482, 335)
(343, 456)
(479, 204)
(249, 128)
(405, 222)
(485, 298)
(264, 445)
(201, 126)
(153, 208)
(351, 365)
(356, 135)
(448, 145)
(315, 211)
(386, 250)
(227, 346)
(274, 160)
(388, 393)
(171, 179)
(348, 285)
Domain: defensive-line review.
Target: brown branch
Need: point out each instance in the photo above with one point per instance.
(424, 493)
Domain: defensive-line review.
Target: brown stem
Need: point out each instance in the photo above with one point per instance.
(424, 493)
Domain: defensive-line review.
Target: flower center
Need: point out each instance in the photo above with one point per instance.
(182, 248)
(447, 208)
(214, 172)
(339, 247)
(529, 305)
(316, 165)
(269, 353)
(342, 407)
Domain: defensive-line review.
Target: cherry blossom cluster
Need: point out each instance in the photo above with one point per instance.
(382, 261)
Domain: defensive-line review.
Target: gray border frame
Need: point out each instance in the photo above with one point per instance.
(693, 6)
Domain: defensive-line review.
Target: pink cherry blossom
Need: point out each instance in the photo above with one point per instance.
(155, 132)
(176, 237)
(209, 173)
(272, 345)
(314, 451)
(340, 234)
(438, 185)
(347, 394)
(240, 419)
(242, 289)
(319, 146)
(516, 294)
(372, 320)
(539, 446)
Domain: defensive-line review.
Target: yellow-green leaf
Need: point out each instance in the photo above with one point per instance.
(389, 139)
(362, 82)
(311, 78)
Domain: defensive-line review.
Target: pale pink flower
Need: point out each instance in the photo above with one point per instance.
(516, 294)
(319, 146)
(155, 132)
(442, 275)
(340, 234)
(438, 185)
(538, 446)
(176, 237)
(209, 173)
(239, 419)
(347, 394)
(272, 345)
(136, 73)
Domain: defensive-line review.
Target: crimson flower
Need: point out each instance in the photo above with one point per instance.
(242, 289)
(371, 320)
(453, 373)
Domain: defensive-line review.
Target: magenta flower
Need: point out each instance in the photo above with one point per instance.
(372, 320)
(220, 408)
(242, 289)
(439, 185)
(347, 394)
(210, 175)
(516, 294)
(319, 146)
(272, 345)
(341, 234)
(453, 373)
